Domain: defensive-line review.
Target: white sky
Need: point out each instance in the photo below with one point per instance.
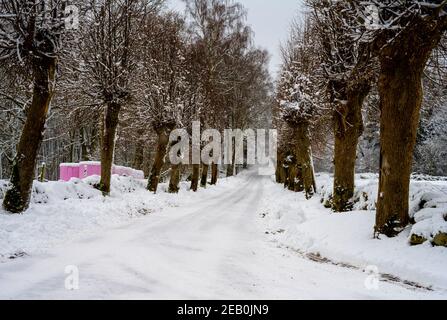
(270, 21)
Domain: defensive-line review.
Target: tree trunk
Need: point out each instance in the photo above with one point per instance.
(214, 174)
(280, 168)
(231, 167)
(401, 93)
(235, 167)
(401, 98)
(17, 198)
(162, 146)
(174, 181)
(230, 170)
(292, 184)
(299, 178)
(291, 171)
(110, 125)
(348, 127)
(304, 161)
(195, 177)
(286, 178)
(204, 178)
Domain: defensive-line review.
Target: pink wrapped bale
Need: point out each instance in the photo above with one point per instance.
(138, 174)
(93, 168)
(127, 172)
(89, 168)
(119, 170)
(67, 171)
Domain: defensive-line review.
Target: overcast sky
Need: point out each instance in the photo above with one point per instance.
(270, 20)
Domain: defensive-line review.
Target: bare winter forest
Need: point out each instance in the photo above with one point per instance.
(359, 105)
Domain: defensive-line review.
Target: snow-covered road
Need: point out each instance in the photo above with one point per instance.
(215, 249)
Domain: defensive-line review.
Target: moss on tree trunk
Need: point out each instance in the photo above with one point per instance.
(305, 180)
(280, 169)
(401, 98)
(348, 127)
(17, 198)
(400, 88)
(110, 125)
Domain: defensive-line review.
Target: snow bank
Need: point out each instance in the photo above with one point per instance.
(431, 221)
(365, 193)
(3, 186)
(309, 228)
(61, 211)
(64, 211)
(428, 202)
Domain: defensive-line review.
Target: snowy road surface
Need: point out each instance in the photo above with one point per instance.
(216, 249)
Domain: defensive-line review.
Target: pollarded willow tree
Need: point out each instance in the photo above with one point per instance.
(109, 33)
(32, 34)
(404, 35)
(164, 86)
(348, 76)
(299, 105)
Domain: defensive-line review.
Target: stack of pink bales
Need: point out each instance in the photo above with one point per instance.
(93, 168)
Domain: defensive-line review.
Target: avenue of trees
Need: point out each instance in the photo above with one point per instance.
(346, 60)
(109, 80)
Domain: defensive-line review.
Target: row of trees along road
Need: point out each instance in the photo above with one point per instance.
(118, 82)
(338, 58)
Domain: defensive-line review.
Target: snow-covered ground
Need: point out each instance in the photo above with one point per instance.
(428, 202)
(348, 238)
(246, 238)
